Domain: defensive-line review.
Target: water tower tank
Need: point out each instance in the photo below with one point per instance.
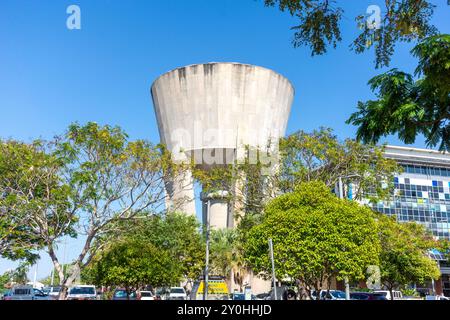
(212, 111)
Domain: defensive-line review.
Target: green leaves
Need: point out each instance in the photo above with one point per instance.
(321, 156)
(83, 182)
(30, 191)
(404, 255)
(319, 25)
(409, 107)
(133, 263)
(174, 233)
(316, 236)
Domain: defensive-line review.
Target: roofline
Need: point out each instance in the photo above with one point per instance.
(417, 156)
(418, 150)
(218, 62)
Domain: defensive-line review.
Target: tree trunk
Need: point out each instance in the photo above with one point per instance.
(59, 269)
(392, 295)
(66, 282)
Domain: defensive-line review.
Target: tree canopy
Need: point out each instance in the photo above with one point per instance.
(177, 233)
(408, 106)
(81, 184)
(29, 186)
(148, 250)
(133, 264)
(316, 237)
(404, 257)
(319, 25)
(320, 156)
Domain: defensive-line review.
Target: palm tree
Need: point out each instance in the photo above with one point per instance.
(227, 256)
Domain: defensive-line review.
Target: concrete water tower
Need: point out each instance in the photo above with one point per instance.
(210, 112)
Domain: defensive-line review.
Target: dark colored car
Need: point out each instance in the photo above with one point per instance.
(238, 296)
(121, 294)
(367, 296)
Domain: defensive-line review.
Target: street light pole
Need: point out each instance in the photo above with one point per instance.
(347, 285)
(35, 275)
(205, 289)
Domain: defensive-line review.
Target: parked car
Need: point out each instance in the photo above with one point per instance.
(82, 292)
(367, 296)
(177, 293)
(162, 293)
(262, 296)
(237, 296)
(121, 294)
(7, 295)
(431, 297)
(397, 294)
(146, 295)
(329, 295)
(52, 292)
(27, 292)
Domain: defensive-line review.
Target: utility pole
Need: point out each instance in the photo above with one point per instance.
(205, 287)
(347, 285)
(273, 269)
(35, 275)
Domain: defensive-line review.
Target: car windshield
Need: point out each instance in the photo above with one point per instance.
(382, 293)
(20, 292)
(82, 290)
(123, 294)
(177, 290)
(338, 294)
(56, 289)
(146, 294)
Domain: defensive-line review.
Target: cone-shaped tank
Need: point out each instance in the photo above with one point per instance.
(212, 110)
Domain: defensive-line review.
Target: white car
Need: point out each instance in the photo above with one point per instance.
(431, 297)
(27, 293)
(177, 293)
(397, 294)
(82, 292)
(146, 295)
(53, 292)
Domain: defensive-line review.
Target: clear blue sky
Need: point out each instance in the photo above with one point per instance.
(51, 76)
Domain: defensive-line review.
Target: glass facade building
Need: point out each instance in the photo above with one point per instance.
(422, 194)
(422, 191)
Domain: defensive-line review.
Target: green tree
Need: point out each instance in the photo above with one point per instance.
(226, 256)
(321, 156)
(133, 264)
(302, 157)
(404, 255)
(319, 25)
(407, 106)
(101, 178)
(28, 182)
(316, 237)
(5, 279)
(176, 233)
(10, 277)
